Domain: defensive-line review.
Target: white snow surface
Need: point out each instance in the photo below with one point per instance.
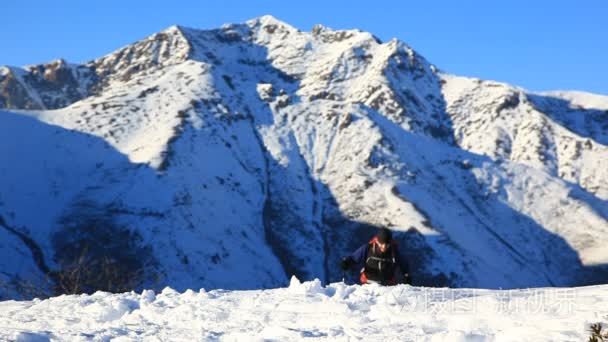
(308, 311)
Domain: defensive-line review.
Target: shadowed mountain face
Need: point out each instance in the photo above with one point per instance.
(236, 157)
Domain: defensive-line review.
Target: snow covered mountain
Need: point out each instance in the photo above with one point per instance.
(236, 157)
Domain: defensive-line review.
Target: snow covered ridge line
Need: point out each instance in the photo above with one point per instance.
(309, 311)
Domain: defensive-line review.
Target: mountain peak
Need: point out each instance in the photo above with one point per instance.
(167, 47)
(268, 20)
(172, 28)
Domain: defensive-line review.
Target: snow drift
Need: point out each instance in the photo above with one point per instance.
(309, 311)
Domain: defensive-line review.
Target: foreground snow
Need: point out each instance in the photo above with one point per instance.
(310, 311)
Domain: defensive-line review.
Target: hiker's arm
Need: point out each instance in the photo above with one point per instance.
(356, 258)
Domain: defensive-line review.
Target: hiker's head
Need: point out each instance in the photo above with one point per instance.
(384, 236)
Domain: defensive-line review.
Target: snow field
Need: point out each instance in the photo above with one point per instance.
(309, 311)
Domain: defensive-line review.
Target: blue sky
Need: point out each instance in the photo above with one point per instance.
(539, 45)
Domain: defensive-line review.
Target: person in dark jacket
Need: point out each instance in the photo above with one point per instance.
(380, 261)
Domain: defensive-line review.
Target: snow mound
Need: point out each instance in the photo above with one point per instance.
(309, 287)
(310, 311)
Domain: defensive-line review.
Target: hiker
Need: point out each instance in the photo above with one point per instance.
(380, 260)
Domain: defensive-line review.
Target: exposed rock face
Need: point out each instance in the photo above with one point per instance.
(57, 84)
(45, 86)
(242, 155)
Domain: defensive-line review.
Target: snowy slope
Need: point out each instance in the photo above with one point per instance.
(307, 311)
(563, 134)
(234, 158)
